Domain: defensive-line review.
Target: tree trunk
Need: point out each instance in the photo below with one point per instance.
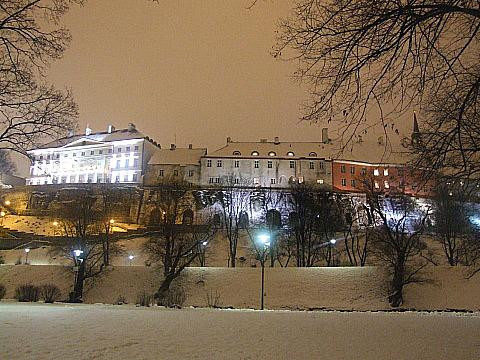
(164, 288)
(78, 287)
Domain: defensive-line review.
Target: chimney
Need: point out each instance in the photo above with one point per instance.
(173, 146)
(276, 141)
(110, 128)
(229, 139)
(325, 139)
(131, 127)
(88, 131)
(380, 140)
(190, 146)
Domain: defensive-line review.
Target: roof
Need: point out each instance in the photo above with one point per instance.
(102, 137)
(365, 151)
(177, 156)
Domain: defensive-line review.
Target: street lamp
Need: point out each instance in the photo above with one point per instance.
(7, 202)
(130, 258)
(27, 250)
(264, 242)
(78, 253)
(332, 245)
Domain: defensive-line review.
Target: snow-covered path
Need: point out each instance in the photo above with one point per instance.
(39, 331)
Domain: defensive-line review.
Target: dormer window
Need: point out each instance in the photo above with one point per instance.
(237, 153)
(290, 153)
(313, 154)
(272, 153)
(255, 153)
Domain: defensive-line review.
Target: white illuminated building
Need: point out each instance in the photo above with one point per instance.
(112, 156)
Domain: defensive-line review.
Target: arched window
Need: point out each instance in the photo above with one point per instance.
(272, 153)
(255, 153)
(187, 218)
(237, 153)
(274, 219)
(313, 154)
(290, 153)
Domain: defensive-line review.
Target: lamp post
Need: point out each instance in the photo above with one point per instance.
(264, 242)
(27, 250)
(130, 258)
(332, 243)
(2, 215)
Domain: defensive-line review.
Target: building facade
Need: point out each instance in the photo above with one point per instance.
(112, 156)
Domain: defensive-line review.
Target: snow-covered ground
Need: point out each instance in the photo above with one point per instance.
(60, 331)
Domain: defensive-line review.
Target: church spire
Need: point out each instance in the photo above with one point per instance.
(416, 131)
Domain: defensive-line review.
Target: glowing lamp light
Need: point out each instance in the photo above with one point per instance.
(27, 250)
(112, 221)
(78, 252)
(130, 257)
(264, 239)
(333, 241)
(7, 202)
(205, 243)
(55, 223)
(2, 213)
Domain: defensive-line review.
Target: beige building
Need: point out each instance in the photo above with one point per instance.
(266, 163)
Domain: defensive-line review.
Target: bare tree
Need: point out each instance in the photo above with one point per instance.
(7, 166)
(203, 232)
(391, 55)
(356, 230)
(233, 199)
(31, 37)
(173, 244)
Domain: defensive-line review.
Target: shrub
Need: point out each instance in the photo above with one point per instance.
(121, 300)
(50, 293)
(175, 297)
(3, 291)
(27, 293)
(144, 299)
(213, 299)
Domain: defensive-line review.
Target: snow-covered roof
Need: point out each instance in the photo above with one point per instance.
(98, 137)
(365, 151)
(177, 156)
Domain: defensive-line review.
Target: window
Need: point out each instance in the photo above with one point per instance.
(81, 178)
(127, 163)
(272, 153)
(127, 149)
(209, 163)
(256, 164)
(236, 163)
(352, 183)
(90, 178)
(83, 153)
(273, 181)
(119, 150)
(57, 156)
(300, 179)
(256, 181)
(237, 153)
(219, 163)
(385, 172)
(117, 178)
(292, 164)
(55, 180)
(319, 181)
(175, 172)
(217, 180)
(118, 164)
(363, 171)
(92, 152)
(72, 178)
(135, 162)
(255, 153)
(313, 154)
(74, 154)
(135, 177)
(376, 172)
(352, 169)
(107, 179)
(190, 173)
(376, 185)
(210, 180)
(160, 172)
(290, 153)
(66, 155)
(136, 148)
(100, 152)
(312, 166)
(236, 181)
(99, 178)
(344, 182)
(321, 165)
(125, 178)
(41, 157)
(269, 164)
(109, 151)
(48, 157)
(387, 185)
(343, 169)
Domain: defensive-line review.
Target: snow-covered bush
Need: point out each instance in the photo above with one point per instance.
(213, 299)
(50, 293)
(175, 297)
(3, 291)
(144, 299)
(121, 300)
(27, 292)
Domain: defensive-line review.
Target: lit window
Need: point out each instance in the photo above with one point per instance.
(312, 154)
(237, 163)
(219, 163)
(292, 164)
(72, 178)
(272, 153)
(255, 153)
(41, 157)
(387, 185)
(269, 164)
(312, 166)
(319, 181)
(300, 179)
(160, 172)
(344, 182)
(209, 163)
(273, 181)
(290, 153)
(376, 172)
(256, 164)
(125, 178)
(256, 181)
(352, 183)
(81, 178)
(343, 169)
(385, 172)
(376, 185)
(352, 169)
(237, 153)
